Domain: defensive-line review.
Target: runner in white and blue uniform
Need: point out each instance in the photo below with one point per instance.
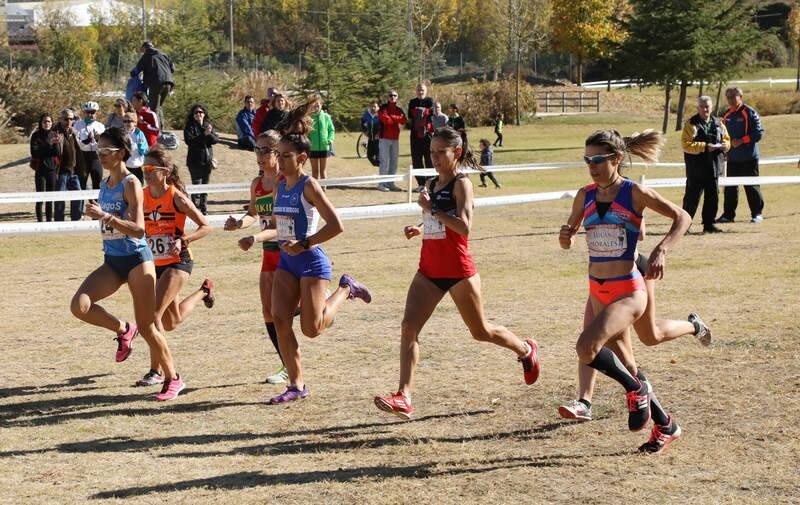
(128, 259)
(304, 271)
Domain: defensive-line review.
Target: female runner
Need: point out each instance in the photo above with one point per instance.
(304, 271)
(127, 259)
(611, 211)
(446, 266)
(262, 195)
(166, 207)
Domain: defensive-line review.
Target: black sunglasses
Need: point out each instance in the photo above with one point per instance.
(264, 150)
(597, 158)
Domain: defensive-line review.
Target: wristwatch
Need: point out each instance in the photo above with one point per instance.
(434, 210)
(305, 243)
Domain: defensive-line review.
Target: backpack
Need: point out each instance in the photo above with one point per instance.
(169, 140)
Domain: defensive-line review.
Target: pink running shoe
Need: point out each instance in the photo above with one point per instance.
(125, 342)
(530, 363)
(208, 287)
(396, 403)
(291, 394)
(357, 290)
(660, 437)
(171, 389)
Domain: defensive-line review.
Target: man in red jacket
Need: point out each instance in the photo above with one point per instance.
(261, 112)
(392, 118)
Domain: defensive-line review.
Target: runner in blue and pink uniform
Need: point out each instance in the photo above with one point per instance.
(611, 210)
(128, 259)
(446, 266)
(304, 271)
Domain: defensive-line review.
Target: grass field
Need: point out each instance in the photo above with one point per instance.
(74, 430)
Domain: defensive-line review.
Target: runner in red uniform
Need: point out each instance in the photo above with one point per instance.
(446, 266)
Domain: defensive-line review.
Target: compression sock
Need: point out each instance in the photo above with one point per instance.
(657, 412)
(273, 336)
(607, 363)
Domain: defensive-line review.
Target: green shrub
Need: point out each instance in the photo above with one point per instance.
(479, 103)
(9, 134)
(212, 88)
(766, 102)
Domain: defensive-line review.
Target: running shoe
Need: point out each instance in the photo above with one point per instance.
(208, 287)
(125, 342)
(171, 389)
(278, 377)
(576, 410)
(396, 403)
(724, 219)
(757, 219)
(291, 394)
(702, 331)
(357, 290)
(530, 363)
(659, 439)
(383, 188)
(638, 406)
(151, 378)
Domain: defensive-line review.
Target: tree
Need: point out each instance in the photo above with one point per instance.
(431, 22)
(527, 22)
(794, 37)
(586, 29)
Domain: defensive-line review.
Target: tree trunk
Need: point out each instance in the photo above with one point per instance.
(797, 85)
(681, 106)
(580, 70)
(519, 76)
(700, 91)
(667, 100)
(719, 94)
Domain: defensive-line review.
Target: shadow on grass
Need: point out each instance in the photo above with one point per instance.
(16, 163)
(245, 480)
(51, 388)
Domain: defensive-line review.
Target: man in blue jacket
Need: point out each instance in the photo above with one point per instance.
(244, 124)
(745, 129)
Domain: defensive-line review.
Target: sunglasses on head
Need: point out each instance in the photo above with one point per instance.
(107, 150)
(153, 168)
(597, 158)
(264, 150)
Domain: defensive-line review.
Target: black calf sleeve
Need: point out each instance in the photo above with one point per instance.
(657, 412)
(607, 363)
(273, 336)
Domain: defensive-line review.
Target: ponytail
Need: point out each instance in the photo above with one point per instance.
(296, 126)
(645, 145)
(164, 159)
(459, 139)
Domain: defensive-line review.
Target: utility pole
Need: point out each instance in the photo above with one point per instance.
(230, 12)
(144, 22)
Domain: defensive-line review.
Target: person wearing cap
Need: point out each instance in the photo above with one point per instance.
(156, 69)
(88, 130)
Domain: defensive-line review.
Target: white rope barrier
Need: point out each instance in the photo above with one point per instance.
(57, 196)
(403, 209)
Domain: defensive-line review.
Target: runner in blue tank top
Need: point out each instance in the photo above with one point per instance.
(127, 259)
(611, 210)
(304, 271)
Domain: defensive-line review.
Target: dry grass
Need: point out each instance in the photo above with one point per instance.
(76, 431)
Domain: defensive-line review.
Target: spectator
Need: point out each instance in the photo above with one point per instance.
(705, 142)
(261, 112)
(88, 131)
(116, 118)
(455, 121)
(392, 118)
(199, 137)
(498, 129)
(278, 110)
(486, 161)
(139, 146)
(371, 128)
(45, 151)
(148, 121)
(439, 118)
(420, 114)
(71, 168)
(245, 138)
(321, 138)
(744, 127)
(156, 68)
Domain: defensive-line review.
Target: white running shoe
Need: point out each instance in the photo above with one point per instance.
(575, 410)
(279, 377)
(704, 333)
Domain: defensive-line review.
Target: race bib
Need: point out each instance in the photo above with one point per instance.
(264, 221)
(160, 246)
(285, 225)
(607, 240)
(433, 229)
(107, 232)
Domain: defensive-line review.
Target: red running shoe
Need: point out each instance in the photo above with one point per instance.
(208, 287)
(171, 389)
(659, 439)
(396, 403)
(639, 406)
(125, 342)
(530, 363)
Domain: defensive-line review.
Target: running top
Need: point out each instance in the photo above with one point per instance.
(611, 235)
(112, 200)
(295, 217)
(163, 223)
(445, 253)
(264, 203)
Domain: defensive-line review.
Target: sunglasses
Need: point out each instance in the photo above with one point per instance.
(392, 96)
(597, 158)
(69, 118)
(153, 168)
(264, 150)
(128, 121)
(107, 150)
(198, 112)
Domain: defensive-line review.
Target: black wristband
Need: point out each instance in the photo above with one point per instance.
(305, 243)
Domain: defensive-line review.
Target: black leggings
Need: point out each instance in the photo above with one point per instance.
(421, 155)
(93, 169)
(201, 174)
(45, 180)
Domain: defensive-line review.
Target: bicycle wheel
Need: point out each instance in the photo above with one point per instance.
(361, 146)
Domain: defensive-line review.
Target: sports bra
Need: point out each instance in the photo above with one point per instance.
(612, 236)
